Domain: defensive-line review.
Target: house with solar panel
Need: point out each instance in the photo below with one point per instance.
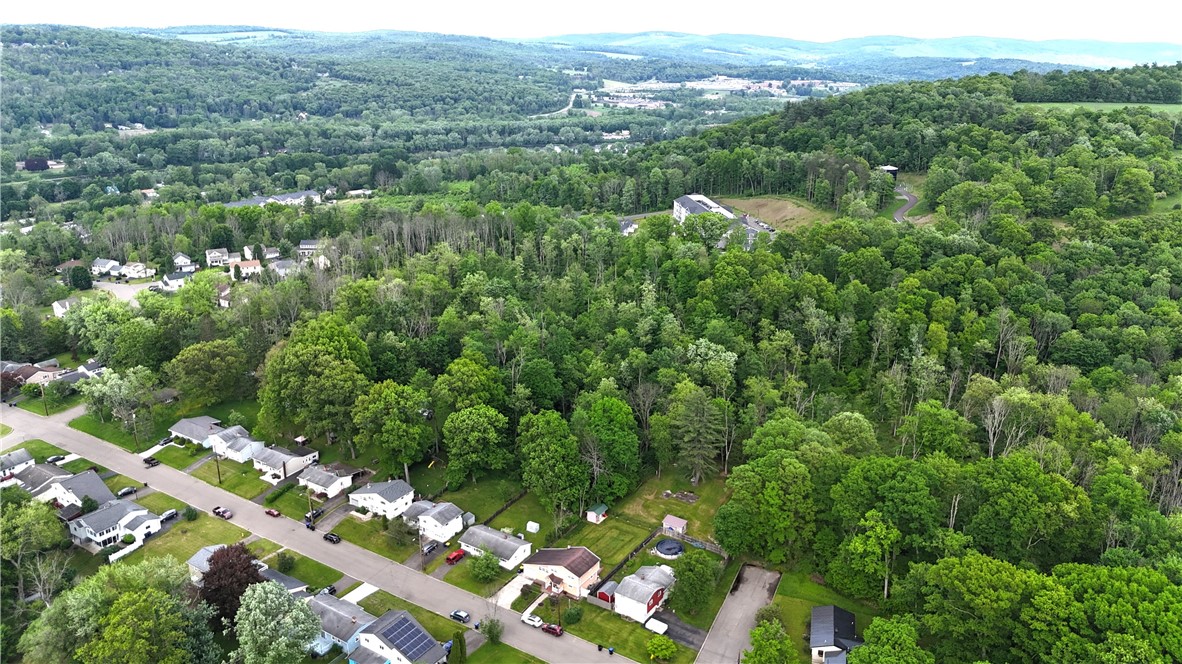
(397, 638)
(832, 634)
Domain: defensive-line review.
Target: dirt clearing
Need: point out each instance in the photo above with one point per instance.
(780, 213)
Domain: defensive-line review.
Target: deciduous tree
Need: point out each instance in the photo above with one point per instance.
(390, 418)
(231, 570)
(272, 626)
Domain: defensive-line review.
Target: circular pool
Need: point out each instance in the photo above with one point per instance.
(670, 548)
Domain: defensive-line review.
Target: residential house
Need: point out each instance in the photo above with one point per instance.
(68, 265)
(196, 429)
(278, 463)
(13, 463)
(269, 253)
(223, 295)
(137, 271)
(36, 479)
(388, 499)
(507, 549)
(111, 522)
(832, 634)
(70, 491)
(283, 267)
(216, 257)
(572, 570)
(174, 281)
(103, 266)
(330, 480)
(92, 368)
(597, 513)
(289, 583)
(341, 623)
(294, 198)
(435, 521)
(307, 248)
(182, 263)
(60, 307)
(697, 204)
(359, 193)
(245, 269)
(39, 375)
(199, 562)
(234, 444)
(642, 592)
(397, 638)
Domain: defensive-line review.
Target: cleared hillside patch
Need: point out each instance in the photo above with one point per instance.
(780, 212)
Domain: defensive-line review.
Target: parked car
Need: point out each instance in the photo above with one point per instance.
(556, 630)
(168, 514)
(271, 511)
(165, 440)
(151, 462)
(429, 548)
(332, 537)
(314, 514)
(531, 620)
(456, 556)
(461, 616)
(222, 512)
(125, 491)
(55, 458)
(328, 590)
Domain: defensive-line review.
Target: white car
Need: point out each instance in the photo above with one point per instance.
(531, 620)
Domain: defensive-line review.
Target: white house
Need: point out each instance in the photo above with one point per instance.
(388, 499)
(697, 204)
(216, 257)
(341, 623)
(109, 523)
(269, 253)
(278, 463)
(173, 282)
(137, 271)
(92, 369)
(436, 521)
(223, 295)
(246, 269)
(330, 480)
(641, 593)
(66, 491)
(196, 429)
(13, 463)
(572, 570)
(60, 307)
(183, 263)
(283, 267)
(507, 549)
(307, 248)
(397, 638)
(234, 444)
(102, 266)
(37, 478)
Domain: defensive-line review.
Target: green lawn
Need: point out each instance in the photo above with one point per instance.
(238, 478)
(188, 537)
(611, 540)
(116, 482)
(34, 405)
(249, 409)
(66, 360)
(39, 449)
(5, 430)
(261, 548)
(460, 576)
(426, 480)
(112, 431)
(78, 465)
(646, 505)
(294, 503)
(159, 503)
(369, 535)
(443, 629)
(180, 457)
(1166, 204)
(484, 497)
(84, 562)
(341, 592)
(501, 653)
(603, 627)
(316, 574)
(523, 511)
(798, 594)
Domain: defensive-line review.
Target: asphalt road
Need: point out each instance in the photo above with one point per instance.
(730, 634)
(359, 563)
(912, 201)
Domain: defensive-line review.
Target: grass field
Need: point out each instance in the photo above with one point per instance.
(523, 511)
(261, 548)
(34, 405)
(369, 535)
(240, 479)
(439, 627)
(460, 576)
(5, 430)
(501, 653)
(426, 478)
(66, 360)
(647, 505)
(84, 562)
(158, 503)
(484, 497)
(179, 457)
(316, 574)
(1166, 204)
(78, 465)
(797, 595)
(294, 503)
(112, 431)
(116, 482)
(1101, 105)
(188, 537)
(610, 540)
(39, 449)
(780, 212)
(603, 627)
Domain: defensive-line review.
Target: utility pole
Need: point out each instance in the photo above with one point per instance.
(44, 404)
(218, 464)
(136, 432)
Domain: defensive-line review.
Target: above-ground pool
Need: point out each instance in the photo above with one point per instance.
(670, 548)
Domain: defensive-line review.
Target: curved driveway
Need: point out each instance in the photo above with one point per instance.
(912, 201)
(358, 563)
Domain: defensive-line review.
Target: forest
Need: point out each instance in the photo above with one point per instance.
(973, 423)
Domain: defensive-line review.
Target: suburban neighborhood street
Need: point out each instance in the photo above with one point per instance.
(356, 562)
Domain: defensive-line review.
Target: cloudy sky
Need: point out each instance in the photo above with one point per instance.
(803, 19)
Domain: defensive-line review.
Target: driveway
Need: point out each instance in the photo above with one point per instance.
(730, 634)
(350, 559)
(685, 634)
(912, 201)
(122, 291)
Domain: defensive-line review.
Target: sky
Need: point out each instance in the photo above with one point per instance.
(506, 19)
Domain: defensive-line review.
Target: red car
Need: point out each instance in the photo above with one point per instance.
(272, 512)
(456, 556)
(556, 630)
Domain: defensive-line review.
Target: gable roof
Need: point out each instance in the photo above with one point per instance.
(339, 618)
(389, 491)
(103, 263)
(291, 584)
(832, 626)
(36, 478)
(324, 475)
(66, 303)
(416, 509)
(196, 428)
(575, 559)
(88, 483)
(599, 509)
(200, 560)
(180, 255)
(16, 458)
(442, 513)
(501, 545)
(236, 438)
(400, 631)
(641, 584)
(274, 457)
(178, 276)
(110, 514)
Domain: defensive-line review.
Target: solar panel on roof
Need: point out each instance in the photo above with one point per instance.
(408, 638)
